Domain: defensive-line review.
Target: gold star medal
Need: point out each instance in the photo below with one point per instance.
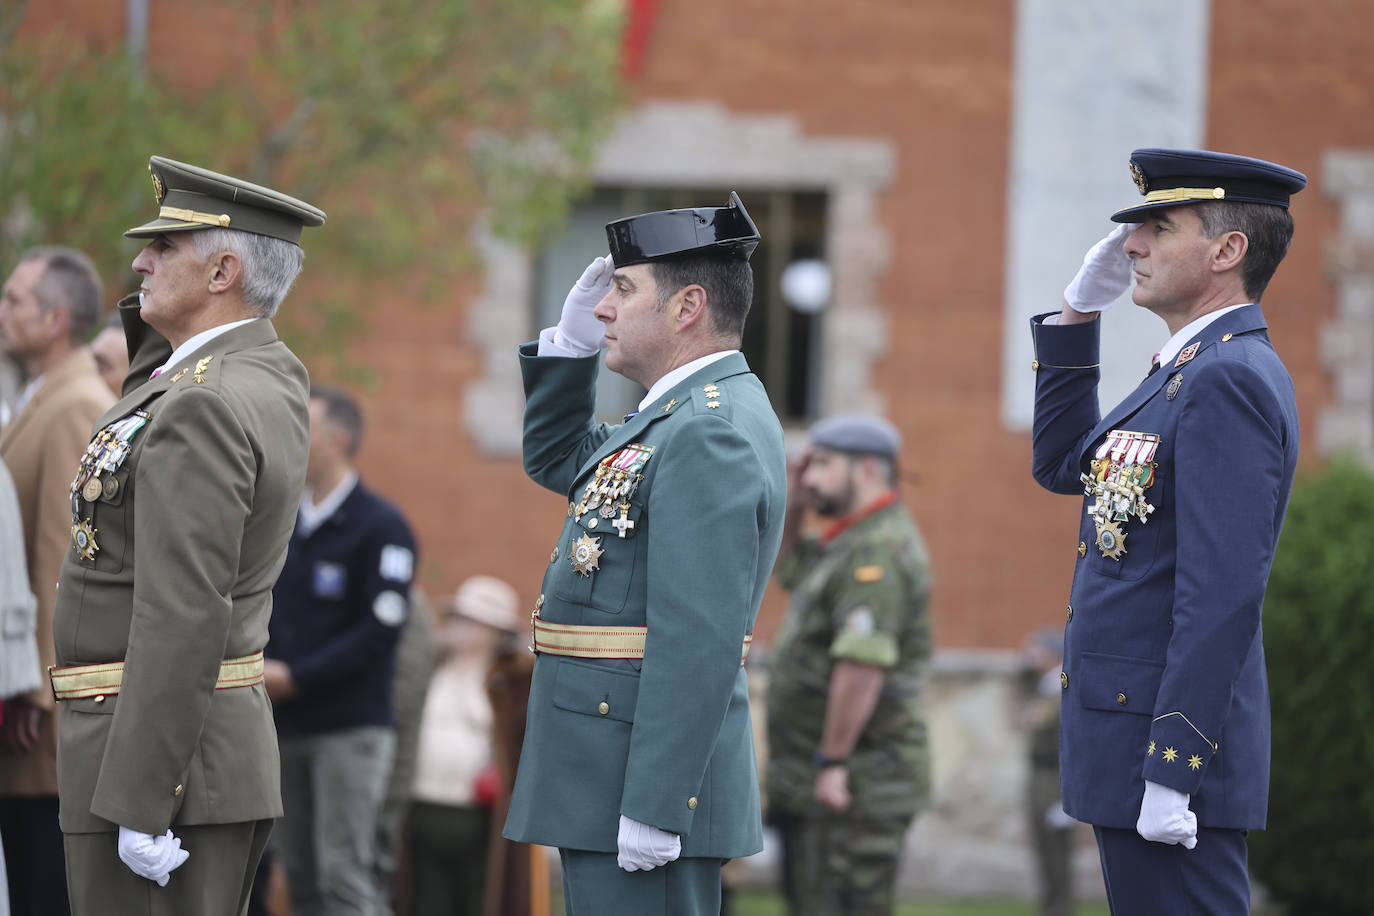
(83, 539)
(1111, 540)
(586, 554)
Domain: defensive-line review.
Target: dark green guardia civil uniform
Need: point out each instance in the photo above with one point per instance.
(862, 596)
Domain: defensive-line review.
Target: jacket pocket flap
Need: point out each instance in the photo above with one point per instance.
(1116, 683)
(596, 691)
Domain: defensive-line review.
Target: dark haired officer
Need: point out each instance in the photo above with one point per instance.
(182, 506)
(638, 760)
(1165, 714)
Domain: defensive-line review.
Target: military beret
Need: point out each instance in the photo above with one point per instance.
(1170, 177)
(863, 435)
(194, 198)
(727, 231)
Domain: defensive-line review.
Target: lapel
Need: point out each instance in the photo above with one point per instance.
(1249, 318)
(678, 397)
(254, 334)
(77, 364)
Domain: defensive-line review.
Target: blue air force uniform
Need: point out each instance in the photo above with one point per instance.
(1163, 659)
(1184, 487)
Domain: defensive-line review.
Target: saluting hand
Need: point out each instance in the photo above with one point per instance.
(1106, 273)
(579, 330)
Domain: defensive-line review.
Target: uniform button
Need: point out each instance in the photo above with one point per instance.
(1064, 679)
(1121, 699)
(692, 802)
(1035, 365)
(179, 789)
(591, 522)
(553, 557)
(1225, 337)
(604, 707)
(1068, 612)
(1082, 549)
(100, 698)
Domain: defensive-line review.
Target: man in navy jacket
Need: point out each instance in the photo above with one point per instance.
(339, 608)
(1164, 740)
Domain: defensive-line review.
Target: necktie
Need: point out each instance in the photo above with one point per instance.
(630, 416)
(1154, 366)
(156, 373)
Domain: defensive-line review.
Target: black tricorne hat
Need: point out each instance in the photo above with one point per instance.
(726, 231)
(1171, 177)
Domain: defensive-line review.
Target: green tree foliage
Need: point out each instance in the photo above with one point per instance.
(403, 120)
(1318, 633)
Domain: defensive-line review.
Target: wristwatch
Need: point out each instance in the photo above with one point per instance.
(821, 762)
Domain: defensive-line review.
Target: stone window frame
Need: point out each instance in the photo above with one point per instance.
(1346, 344)
(670, 144)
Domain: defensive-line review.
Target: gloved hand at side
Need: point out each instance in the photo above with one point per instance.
(151, 857)
(645, 847)
(1165, 818)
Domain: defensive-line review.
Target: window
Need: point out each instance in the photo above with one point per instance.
(782, 344)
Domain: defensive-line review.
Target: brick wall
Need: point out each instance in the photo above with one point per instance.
(934, 79)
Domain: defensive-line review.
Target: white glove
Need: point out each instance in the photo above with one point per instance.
(1165, 818)
(1105, 274)
(151, 857)
(645, 847)
(578, 329)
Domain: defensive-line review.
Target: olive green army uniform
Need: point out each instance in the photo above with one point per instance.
(862, 596)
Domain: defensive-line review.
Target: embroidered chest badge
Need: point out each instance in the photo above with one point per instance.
(1123, 468)
(1188, 353)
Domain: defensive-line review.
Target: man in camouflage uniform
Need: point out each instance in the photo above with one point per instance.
(848, 763)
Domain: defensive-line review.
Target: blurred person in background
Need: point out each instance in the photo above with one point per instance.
(19, 670)
(111, 354)
(456, 779)
(1051, 830)
(416, 652)
(49, 307)
(340, 606)
(849, 764)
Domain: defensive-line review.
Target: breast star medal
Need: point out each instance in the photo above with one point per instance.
(1111, 540)
(586, 554)
(83, 539)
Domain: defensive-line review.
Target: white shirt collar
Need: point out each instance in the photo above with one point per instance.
(681, 372)
(1192, 329)
(198, 341)
(313, 515)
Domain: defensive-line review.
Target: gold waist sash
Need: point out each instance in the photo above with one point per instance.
(74, 682)
(599, 642)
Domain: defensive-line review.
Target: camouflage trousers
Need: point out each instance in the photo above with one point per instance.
(840, 864)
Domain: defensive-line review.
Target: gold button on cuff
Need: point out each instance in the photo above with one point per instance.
(1082, 548)
(1068, 612)
(604, 707)
(1121, 699)
(179, 789)
(1035, 365)
(1064, 679)
(692, 802)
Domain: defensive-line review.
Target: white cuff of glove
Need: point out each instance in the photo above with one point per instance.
(1165, 818)
(151, 857)
(579, 330)
(1106, 273)
(645, 847)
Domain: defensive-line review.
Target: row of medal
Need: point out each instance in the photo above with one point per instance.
(615, 480)
(104, 455)
(1123, 469)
